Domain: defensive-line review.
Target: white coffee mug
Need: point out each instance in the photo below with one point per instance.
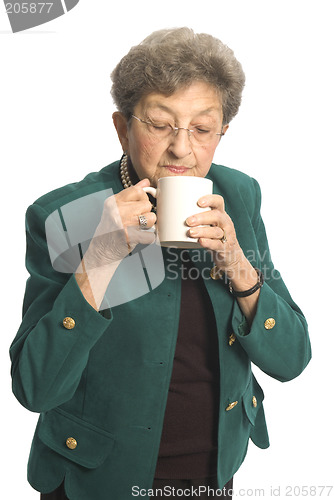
(177, 199)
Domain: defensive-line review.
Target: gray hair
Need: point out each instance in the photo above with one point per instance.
(171, 59)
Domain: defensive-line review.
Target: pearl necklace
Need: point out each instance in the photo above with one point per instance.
(124, 172)
(125, 177)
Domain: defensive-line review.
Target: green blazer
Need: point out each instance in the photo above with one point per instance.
(100, 379)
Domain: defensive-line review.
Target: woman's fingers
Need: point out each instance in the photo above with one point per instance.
(131, 203)
(211, 217)
(136, 235)
(149, 217)
(212, 201)
(214, 230)
(119, 229)
(134, 193)
(209, 232)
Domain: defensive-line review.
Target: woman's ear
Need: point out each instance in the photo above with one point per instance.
(121, 127)
(225, 127)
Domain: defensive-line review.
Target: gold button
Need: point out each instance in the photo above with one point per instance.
(231, 339)
(71, 443)
(68, 323)
(231, 405)
(216, 273)
(254, 401)
(269, 323)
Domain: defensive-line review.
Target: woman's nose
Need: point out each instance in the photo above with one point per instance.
(180, 144)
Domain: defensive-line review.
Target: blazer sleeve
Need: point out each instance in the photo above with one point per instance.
(48, 358)
(278, 340)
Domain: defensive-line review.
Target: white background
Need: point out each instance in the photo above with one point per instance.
(56, 127)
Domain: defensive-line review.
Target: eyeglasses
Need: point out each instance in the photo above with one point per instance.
(164, 130)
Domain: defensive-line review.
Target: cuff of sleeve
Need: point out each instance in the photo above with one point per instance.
(74, 321)
(269, 343)
(266, 310)
(56, 348)
(81, 311)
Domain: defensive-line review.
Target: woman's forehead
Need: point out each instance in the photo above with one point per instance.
(197, 99)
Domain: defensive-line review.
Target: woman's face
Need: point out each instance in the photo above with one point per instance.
(152, 157)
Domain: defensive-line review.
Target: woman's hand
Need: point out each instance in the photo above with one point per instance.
(218, 235)
(115, 237)
(118, 231)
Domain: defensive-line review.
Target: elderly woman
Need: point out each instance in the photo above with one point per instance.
(153, 391)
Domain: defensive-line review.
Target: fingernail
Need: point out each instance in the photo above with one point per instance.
(191, 220)
(201, 203)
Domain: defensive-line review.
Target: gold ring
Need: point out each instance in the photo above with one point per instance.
(223, 239)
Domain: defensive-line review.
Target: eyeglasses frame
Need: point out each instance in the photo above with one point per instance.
(176, 129)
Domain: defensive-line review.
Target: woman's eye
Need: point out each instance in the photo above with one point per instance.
(202, 130)
(160, 126)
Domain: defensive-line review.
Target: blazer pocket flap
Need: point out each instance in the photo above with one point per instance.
(74, 438)
(252, 399)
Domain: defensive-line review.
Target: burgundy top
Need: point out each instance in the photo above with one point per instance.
(188, 448)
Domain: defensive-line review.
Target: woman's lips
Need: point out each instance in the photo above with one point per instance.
(176, 170)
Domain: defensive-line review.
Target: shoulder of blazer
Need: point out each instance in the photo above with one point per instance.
(236, 188)
(107, 178)
(232, 184)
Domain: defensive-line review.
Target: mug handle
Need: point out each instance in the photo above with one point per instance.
(150, 190)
